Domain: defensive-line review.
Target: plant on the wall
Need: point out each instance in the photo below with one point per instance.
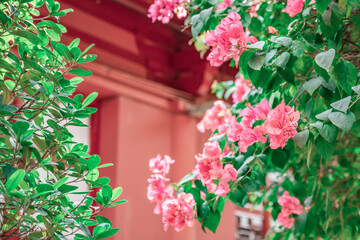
(41, 165)
(292, 111)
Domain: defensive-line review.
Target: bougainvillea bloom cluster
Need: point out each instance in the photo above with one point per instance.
(242, 88)
(224, 4)
(216, 117)
(164, 10)
(228, 40)
(290, 205)
(176, 211)
(158, 190)
(294, 7)
(279, 124)
(179, 211)
(210, 168)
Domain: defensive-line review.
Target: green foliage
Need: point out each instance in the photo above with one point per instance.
(312, 63)
(40, 164)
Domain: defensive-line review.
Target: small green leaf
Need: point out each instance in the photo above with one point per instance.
(116, 193)
(328, 132)
(49, 88)
(285, 41)
(324, 115)
(89, 99)
(258, 45)
(322, 5)
(301, 138)
(80, 72)
(342, 105)
(346, 75)
(10, 84)
(342, 120)
(107, 233)
(282, 60)
(313, 84)
(256, 61)
(93, 162)
(325, 59)
(15, 179)
(28, 35)
(356, 89)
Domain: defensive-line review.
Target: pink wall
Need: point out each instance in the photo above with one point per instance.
(130, 133)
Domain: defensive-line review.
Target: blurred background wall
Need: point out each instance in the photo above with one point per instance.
(153, 88)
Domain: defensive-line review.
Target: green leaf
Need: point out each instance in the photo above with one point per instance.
(301, 138)
(324, 115)
(256, 61)
(258, 45)
(342, 120)
(300, 222)
(205, 15)
(212, 220)
(282, 60)
(328, 132)
(89, 99)
(10, 84)
(7, 66)
(64, 52)
(325, 59)
(15, 179)
(285, 41)
(313, 84)
(106, 193)
(108, 233)
(28, 35)
(279, 158)
(356, 89)
(196, 25)
(322, 5)
(86, 50)
(93, 162)
(346, 75)
(80, 72)
(255, 26)
(342, 105)
(20, 128)
(324, 148)
(87, 58)
(49, 88)
(116, 193)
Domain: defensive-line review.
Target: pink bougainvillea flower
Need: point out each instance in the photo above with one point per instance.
(262, 110)
(157, 191)
(290, 205)
(163, 10)
(285, 221)
(234, 131)
(228, 40)
(244, 132)
(272, 30)
(249, 137)
(222, 189)
(242, 88)
(178, 212)
(253, 8)
(281, 125)
(224, 4)
(294, 7)
(230, 173)
(160, 165)
(208, 163)
(217, 117)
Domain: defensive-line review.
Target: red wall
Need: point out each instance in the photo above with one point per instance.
(146, 75)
